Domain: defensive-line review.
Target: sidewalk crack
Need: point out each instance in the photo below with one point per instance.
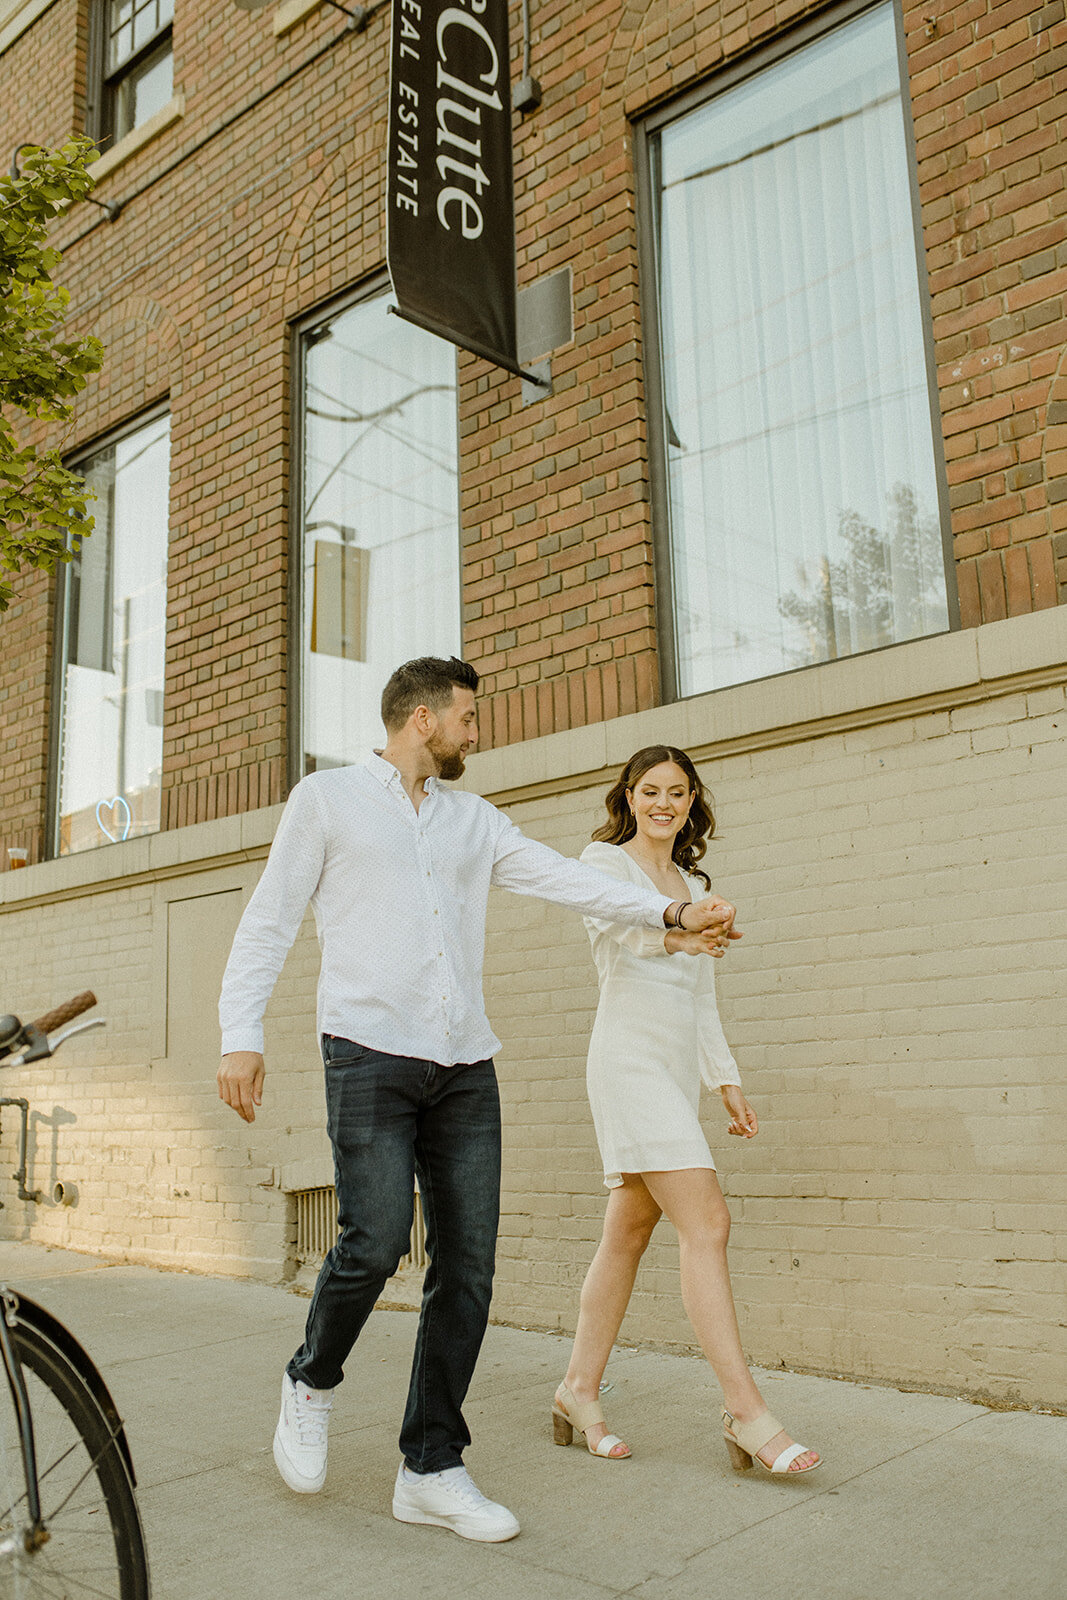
(812, 1494)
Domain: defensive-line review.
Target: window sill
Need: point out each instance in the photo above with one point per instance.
(290, 12)
(137, 138)
(920, 675)
(154, 856)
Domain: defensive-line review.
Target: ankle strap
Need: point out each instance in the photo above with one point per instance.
(580, 1414)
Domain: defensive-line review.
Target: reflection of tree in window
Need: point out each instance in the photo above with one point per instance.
(376, 419)
(795, 387)
(879, 591)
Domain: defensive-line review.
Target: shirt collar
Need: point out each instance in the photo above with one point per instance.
(388, 775)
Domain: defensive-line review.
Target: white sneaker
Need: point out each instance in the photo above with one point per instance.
(451, 1499)
(300, 1437)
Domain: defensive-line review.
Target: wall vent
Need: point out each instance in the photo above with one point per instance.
(316, 1228)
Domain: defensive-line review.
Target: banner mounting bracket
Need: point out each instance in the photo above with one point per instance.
(537, 376)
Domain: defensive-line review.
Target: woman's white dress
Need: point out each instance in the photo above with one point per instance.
(657, 1034)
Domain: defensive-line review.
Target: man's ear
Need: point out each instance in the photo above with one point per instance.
(424, 720)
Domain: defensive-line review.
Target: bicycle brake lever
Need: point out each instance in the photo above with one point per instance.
(40, 1045)
(36, 1047)
(56, 1039)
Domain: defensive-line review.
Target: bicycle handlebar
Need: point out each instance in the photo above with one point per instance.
(65, 1013)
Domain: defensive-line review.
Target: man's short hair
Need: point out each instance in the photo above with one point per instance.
(428, 682)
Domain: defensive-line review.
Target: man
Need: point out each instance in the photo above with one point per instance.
(398, 872)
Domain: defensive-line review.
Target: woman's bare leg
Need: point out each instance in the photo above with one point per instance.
(693, 1201)
(629, 1219)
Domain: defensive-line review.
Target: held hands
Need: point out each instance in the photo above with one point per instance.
(708, 943)
(240, 1081)
(743, 1120)
(709, 924)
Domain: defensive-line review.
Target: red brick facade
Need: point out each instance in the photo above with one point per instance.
(264, 199)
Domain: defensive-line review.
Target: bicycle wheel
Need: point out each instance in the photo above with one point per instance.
(95, 1546)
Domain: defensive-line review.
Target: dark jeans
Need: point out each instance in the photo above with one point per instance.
(390, 1118)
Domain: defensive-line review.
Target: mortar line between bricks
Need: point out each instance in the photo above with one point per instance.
(785, 1510)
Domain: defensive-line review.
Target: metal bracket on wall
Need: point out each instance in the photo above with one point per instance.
(537, 391)
(545, 323)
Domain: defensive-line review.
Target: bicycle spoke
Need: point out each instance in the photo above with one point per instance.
(64, 1592)
(90, 1469)
(95, 1548)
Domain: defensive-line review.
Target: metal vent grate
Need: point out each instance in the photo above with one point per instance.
(316, 1227)
(316, 1223)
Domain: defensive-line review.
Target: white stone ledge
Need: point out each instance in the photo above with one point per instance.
(146, 860)
(905, 679)
(137, 138)
(18, 15)
(290, 12)
(909, 679)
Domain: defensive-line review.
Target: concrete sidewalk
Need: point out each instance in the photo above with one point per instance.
(921, 1496)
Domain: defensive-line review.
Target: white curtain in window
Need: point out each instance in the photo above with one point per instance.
(803, 503)
(380, 520)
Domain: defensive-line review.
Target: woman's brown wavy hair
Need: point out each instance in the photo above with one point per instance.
(691, 841)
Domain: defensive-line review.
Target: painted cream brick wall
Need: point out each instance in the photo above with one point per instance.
(897, 1010)
(891, 828)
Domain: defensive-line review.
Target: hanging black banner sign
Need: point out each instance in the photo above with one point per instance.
(451, 211)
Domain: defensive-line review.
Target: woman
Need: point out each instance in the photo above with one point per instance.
(656, 1034)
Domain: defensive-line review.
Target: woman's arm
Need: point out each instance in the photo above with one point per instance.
(717, 1065)
(743, 1120)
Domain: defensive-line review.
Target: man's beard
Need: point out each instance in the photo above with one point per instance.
(450, 763)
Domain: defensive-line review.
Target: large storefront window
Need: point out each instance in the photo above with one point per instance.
(113, 628)
(796, 437)
(380, 570)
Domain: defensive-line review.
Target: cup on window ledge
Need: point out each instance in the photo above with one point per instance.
(16, 857)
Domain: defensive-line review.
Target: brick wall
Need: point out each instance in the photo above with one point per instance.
(988, 96)
(264, 199)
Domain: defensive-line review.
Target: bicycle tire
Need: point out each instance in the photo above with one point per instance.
(96, 1543)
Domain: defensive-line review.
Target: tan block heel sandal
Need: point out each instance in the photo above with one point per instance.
(570, 1415)
(745, 1439)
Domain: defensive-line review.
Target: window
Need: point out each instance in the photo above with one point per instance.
(379, 520)
(799, 480)
(134, 65)
(111, 642)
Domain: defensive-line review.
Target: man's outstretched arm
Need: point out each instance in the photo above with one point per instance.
(526, 866)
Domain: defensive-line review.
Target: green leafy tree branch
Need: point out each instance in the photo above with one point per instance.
(40, 372)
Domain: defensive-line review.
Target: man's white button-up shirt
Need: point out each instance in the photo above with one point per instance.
(399, 898)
